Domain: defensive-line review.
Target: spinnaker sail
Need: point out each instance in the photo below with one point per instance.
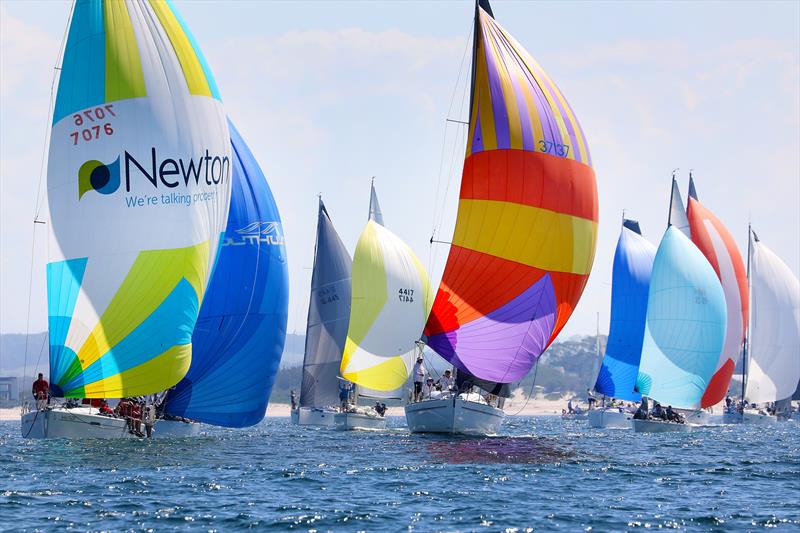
(633, 264)
(239, 337)
(773, 365)
(526, 228)
(717, 244)
(328, 316)
(685, 327)
(389, 304)
(138, 183)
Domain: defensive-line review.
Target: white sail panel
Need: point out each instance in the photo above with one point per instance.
(773, 364)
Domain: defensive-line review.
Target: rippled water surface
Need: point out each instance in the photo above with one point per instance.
(540, 473)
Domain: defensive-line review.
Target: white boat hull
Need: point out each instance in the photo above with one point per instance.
(455, 416)
(350, 421)
(757, 419)
(76, 423)
(170, 429)
(609, 418)
(313, 417)
(659, 426)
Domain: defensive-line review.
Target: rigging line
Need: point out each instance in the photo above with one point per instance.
(37, 203)
(530, 392)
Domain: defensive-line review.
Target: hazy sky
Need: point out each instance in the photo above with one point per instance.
(328, 94)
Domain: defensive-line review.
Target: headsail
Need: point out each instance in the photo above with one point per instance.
(773, 365)
(717, 244)
(390, 302)
(375, 212)
(633, 264)
(525, 233)
(685, 328)
(239, 337)
(328, 316)
(138, 182)
(677, 213)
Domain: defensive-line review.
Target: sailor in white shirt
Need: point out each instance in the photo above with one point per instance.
(446, 382)
(419, 378)
(428, 388)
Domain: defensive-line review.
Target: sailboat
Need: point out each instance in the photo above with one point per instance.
(138, 188)
(771, 360)
(390, 301)
(525, 232)
(685, 324)
(633, 265)
(326, 330)
(716, 243)
(241, 329)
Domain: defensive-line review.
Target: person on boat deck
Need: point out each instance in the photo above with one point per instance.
(428, 388)
(570, 409)
(380, 408)
(672, 415)
(293, 399)
(149, 419)
(41, 392)
(659, 412)
(124, 411)
(344, 394)
(445, 382)
(590, 399)
(136, 416)
(419, 378)
(642, 412)
(105, 409)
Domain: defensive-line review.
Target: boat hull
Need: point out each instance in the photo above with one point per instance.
(609, 418)
(171, 429)
(454, 416)
(76, 423)
(350, 421)
(313, 417)
(758, 419)
(659, 426)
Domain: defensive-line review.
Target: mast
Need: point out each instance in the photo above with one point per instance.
(747, 328)
(320, 210)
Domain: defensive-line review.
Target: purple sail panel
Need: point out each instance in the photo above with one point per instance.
(485, 346)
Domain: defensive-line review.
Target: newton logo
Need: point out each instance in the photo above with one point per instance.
(96, 176)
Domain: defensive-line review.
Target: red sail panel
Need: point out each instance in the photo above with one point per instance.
(717, 244)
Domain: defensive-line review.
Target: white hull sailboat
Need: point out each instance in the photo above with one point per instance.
(453, 415)
(610, 417)
(659, 426)
(312, 416)
(359, 419)
(87, 423)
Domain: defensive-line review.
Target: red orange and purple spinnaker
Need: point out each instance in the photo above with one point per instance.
(717, 244)
(526, 229)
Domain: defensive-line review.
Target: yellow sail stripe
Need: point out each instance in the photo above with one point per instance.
(386, 376)
(555, 241)
(192, 69)
(161, 372)
(154, 274)
(124, 76)
(484, 101)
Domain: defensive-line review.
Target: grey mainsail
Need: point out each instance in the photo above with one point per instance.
(328, 316)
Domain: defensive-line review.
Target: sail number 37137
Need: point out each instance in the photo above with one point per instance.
(91, 125)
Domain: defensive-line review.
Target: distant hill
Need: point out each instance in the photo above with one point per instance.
(568, 367)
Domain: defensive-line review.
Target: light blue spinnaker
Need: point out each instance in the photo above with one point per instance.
(685, 328)
(239, 337)
(633, 263)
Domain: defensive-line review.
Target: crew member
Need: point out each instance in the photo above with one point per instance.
(41, 392)
(293, 399)
(419, 378)
(445, 382)
(344, 394)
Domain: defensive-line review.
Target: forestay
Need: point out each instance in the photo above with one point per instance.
(239, 337)
(526, 228)
(328, 316)
(633, 264)
(138, 183)
(718, 246)
(773, 366)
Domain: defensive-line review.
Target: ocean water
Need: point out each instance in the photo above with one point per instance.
(540, 474)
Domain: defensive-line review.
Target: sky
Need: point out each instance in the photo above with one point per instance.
(329, 94)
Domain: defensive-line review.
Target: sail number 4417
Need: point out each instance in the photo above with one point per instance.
(91, 125)
(405, 295)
